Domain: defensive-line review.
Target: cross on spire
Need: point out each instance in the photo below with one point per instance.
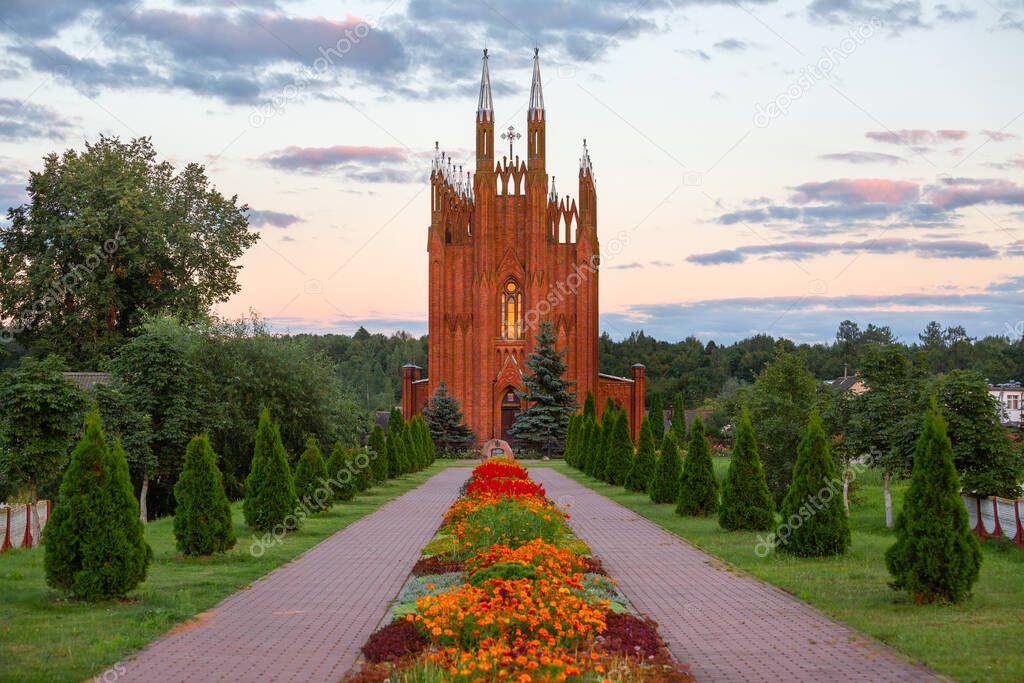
(511, 135)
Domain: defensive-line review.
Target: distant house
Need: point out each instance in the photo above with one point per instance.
(691, 415)
(851, 383)
(87, 380)
(1011, 399)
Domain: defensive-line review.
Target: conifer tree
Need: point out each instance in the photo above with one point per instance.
(341, 468)
(450, 434)
(410, 452)
(542, 426)
(698, 487)
(378, 453)
(428, 442)
(664, 485)
(395, 443)
(202, 518)
(590, 406)
(572, 440)
(620, 456)
(657, 415)
(935, 557)
(814, 523)
(642, 468)
(746, 501)
(602, 444)
(360, 464)
(94, 542)
(584, 461)
(311, 477)
(270, 499)
(678, 426)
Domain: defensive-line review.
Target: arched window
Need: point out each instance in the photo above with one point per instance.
(511, 311)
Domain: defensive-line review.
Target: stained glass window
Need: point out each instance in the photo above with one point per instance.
(511, 311)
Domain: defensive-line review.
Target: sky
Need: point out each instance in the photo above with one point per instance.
(761, 166)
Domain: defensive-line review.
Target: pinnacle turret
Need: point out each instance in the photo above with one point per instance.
(536, 91)
(485, 108)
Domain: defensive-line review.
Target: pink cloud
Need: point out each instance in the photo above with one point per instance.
(998, 135)
(916, 136)
(858, 191)
(309, 158)
(958, 192)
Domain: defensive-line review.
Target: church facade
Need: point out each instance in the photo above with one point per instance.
(506, 253)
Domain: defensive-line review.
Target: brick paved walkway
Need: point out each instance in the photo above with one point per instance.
(726, 626)
(307, 620)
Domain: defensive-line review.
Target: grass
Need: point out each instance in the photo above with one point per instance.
(46, 638)
(975, 641)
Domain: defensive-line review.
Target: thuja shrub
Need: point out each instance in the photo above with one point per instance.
(94, 541)
(378, 453)
(814, 523)
(642, 467)
(585, 455)
(746, 501)
(311, 484)
(664, 486)
(620, 453)
(936, 558)
(202, 518)
(343, 483)
(270, 499)
(395, 446)
(698, 487)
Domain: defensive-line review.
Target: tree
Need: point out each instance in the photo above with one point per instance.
(542, 425)
(664, 486)
(588, 444)
(642, 467)
(988, 463)
(411, 450)
(38, 410)
(95, 546)
(451, 435)
(202, 518)
(339, 468)
(780, 404)
(397, 464)
(746, 501)
(590, 406)
(311, 478)
(698, 487)
(428, 443)
(110, 234)
(378, 453)
(603, 444)
(935, 557)
(678, 425)
(270, 500)
(572, 439)
(620, 455)
(814, 523)
(657, 415)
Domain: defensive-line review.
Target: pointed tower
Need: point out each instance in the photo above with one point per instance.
(485, 123)
(535, 144)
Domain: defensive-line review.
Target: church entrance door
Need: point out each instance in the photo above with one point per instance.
(509, 410)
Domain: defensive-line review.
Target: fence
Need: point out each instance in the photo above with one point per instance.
(19, 528)
(995, 517)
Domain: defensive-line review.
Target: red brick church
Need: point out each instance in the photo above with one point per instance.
(506, 253)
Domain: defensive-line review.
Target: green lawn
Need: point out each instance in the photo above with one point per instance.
(981, 640)
(44, 638)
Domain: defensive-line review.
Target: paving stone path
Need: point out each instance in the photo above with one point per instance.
(307, 620)
(726, 626)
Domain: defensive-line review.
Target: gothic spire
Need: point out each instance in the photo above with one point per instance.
(536, 93)
(485, 109)
(585, 166)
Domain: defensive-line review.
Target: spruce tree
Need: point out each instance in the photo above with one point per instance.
(657, 415)
(542, 426)
(935, 557)
(678, 426)
(378, 452)
(620, 456)
(590, 406)
(642, 468)
(814, 523)
(94, 542)
(698, 487)
(395, 443)
(270, 499)
(450, 435)
(664, 485)
(202, 518)
(311, 478)
(746, 501)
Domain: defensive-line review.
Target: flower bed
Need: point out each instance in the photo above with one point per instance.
(506, 592)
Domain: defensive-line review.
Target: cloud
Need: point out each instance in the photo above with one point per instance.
(812, 318)
(1008, 164)
(916, 137)
(660, 263)
(858, 191)
(732, 45)
(626, 266)
(864, 158)
(275, 219)
(358, 163)
(896, 15)
(999, 136)
(86, 73)
(21, 120)
(35, 19)
(954, 193)
(798, 251)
